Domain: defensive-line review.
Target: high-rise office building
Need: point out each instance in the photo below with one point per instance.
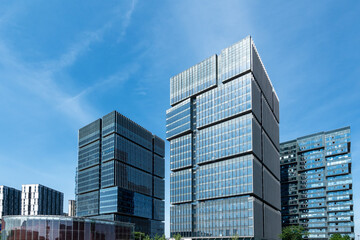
(10, 201)
(121, 173)
(223, 129)
(316, 183)
(72, 208)
(37, 199)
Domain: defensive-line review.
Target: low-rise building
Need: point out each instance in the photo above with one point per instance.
(64, 227)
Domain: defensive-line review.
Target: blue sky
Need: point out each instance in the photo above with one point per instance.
(64, 64)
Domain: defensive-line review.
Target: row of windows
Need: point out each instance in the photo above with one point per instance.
(181, 186)
(116, 122)
(340, 148)
(224, 139)
(10, 201)
(227, 217)
(90, 132)
(224, 101)
(87, 204)
(159, 209)
(341, 230)
(181, 218)
(159, 146)
(225, 178)
(312, 154)
(180, 152)
(235, 59)
(309, 143)
(339, 187)
(159, 166)
(127, 177)
(337, 166)
(193, 80)
(89, 179)
(159, 188)
(126, 151)
(89, 155)
(178, 119)
(113, 200)
(338, 135)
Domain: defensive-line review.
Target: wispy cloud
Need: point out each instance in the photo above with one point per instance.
(126, 19)
(41, 79)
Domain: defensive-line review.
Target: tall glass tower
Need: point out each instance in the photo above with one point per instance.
(316, 183)
(121, 173)
(223, 129)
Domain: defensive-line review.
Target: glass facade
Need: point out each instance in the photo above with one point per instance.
(10, 201)
(121, 173)
(225, 178)
(224, 139)
(224, 148)
(227, 217)
(63, 228)
(316, 183)
(198, 78)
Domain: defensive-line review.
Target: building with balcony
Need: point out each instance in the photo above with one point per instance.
(37, 199)
(121, 174)
(316, 183)
(223, 129)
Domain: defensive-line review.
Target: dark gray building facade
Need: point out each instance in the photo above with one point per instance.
(223, 129)
(10, 201)
(121, 173)
(316, 183)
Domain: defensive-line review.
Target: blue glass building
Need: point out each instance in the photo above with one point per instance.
(10, 201)
(223, 129)
(316, 183)
(121, 173)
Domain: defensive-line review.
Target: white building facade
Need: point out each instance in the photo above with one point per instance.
(37, 199)
(72, 208)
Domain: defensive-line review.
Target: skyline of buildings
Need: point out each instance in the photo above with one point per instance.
(316, 183)
(121, 172)
(223, 129)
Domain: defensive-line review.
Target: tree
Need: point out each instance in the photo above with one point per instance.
(147, 237)
(162, 237)
(337, 236)
(235, 237)
(293, 233)
(177, 236)
(345, 237)
(137, 235)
